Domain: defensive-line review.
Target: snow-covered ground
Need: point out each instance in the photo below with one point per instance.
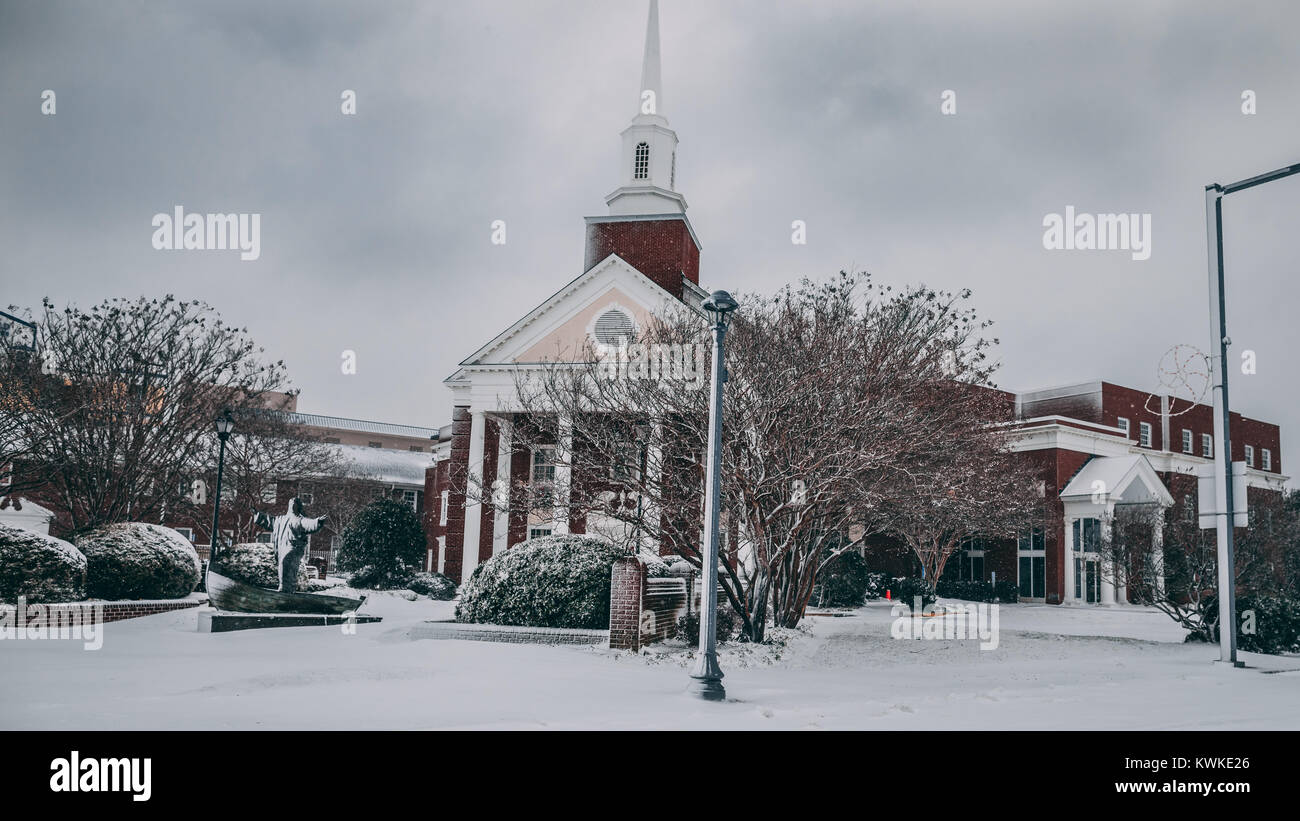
(1054, 667)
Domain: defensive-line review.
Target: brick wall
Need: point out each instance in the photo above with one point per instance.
(662, 249)
(625, 585)
(113, 611)
(456, 478)
(641, 609)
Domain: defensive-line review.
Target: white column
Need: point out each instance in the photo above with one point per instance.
(563, 477)
(1105, 567)
(473, 494)
(1158, 557)
(501, 524)
(653, 480)
(1069, 559)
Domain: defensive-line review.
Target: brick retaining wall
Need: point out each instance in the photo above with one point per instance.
(112, 610)
(507, 633)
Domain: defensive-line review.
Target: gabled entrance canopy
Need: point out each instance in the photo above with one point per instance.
(1112, 480)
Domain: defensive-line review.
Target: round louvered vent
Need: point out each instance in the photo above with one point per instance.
(613, 327)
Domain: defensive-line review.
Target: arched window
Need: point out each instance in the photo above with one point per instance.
(641, 167)
(614, 327)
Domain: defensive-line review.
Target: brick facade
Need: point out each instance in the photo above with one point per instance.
(662, 249)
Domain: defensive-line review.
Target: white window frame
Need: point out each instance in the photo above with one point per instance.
(1123, 424)
(549, 463)
(1187, 441)
(1207, 446)
(1031, 544)
(1250, 456)
(413, 500)
(539, 531)
(1265, 459)
(187, 532)
(442, 508)
(1144, 434)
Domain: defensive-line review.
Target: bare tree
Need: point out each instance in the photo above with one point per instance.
(121, 411)
(834, 393)
(1176, 572)
(964, 483)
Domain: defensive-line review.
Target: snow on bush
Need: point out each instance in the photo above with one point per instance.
(255, 563)
(383, 545)
(433, 585)
(134, 560)
(553, 581)
(40, 567)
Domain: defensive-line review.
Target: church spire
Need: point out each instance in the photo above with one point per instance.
(650, 100)
(648, 182)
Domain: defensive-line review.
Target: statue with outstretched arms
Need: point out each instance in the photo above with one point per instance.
(289, 532)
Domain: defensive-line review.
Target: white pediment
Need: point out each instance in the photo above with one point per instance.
(556, 330)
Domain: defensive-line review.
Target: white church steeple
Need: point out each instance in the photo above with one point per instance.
(648, 177)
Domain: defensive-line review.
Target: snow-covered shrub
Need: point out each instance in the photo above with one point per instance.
(383, 545)
(135, 560)
(255, 563)
(433, 585)
(906, 590)
(40, 567)
(877, 584)
(843, 581)
(553, 581)
(1273, 623)
(728, 624)
(979, 591)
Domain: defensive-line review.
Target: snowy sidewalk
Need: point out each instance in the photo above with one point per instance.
(1086, 668)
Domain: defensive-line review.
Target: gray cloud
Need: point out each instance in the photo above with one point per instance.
(376, 227)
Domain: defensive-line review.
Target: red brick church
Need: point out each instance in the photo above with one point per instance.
(644, 254)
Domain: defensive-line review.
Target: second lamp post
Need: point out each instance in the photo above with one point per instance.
(706, 677)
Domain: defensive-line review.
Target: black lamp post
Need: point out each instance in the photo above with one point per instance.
(706, 677)
(223, 425)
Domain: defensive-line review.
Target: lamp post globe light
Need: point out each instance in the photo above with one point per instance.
(223, 424)
(706, 677)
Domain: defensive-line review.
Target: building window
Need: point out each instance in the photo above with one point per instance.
(641, 167)
(1122, 424)
(374, 444)
(1031, 561)
(1087, 562)
(1189, 507)
(1266, 459)
(412, 498)
(416, 449)
(331, 440)
(1207, 446)
(186, 532)
(1187, 441)
(442, 514)
(970, 558)
(1250, 456)
(614, 327)
(305, 494)
(264, 538)
(538, 532)
(543, 464)
(1144, 434)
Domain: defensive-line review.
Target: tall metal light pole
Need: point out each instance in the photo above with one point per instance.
(1219, 342)
(706, 678)
(224, 425)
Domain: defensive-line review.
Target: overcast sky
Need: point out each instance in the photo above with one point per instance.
(376, 227)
